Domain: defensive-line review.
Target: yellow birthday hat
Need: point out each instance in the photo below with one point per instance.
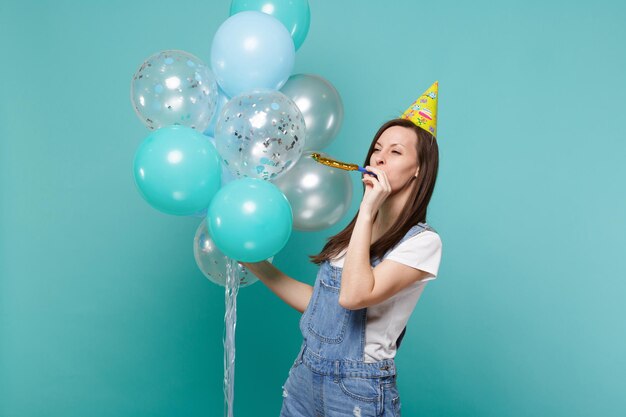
(423, 111)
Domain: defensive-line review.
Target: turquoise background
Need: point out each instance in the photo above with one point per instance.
(103, 311)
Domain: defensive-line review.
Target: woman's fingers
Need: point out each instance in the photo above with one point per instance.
(382, 177)
(368, 179)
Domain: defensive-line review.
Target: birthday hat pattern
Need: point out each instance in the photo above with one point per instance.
(423, 111)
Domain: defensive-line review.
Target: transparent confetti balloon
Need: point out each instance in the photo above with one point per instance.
(260, 134)
(319, 195)
(212, 262)
(174, 87)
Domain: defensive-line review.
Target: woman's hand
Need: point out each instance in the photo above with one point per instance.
(376, 190)
(248, 264)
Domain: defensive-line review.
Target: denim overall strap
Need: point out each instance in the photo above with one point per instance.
(334, 337)
(415, 230)
(330, 331)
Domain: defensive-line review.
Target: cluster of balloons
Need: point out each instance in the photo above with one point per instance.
(232, 140)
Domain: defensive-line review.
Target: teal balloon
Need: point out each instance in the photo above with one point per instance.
(294, 14)
(250, 220)
(177, 170)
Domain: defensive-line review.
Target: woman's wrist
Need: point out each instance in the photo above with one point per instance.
(366, 213)
(251, 264)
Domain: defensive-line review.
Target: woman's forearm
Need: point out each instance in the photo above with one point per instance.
(357, 279)
(293, 292)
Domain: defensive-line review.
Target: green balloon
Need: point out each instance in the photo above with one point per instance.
(177, 170)
(294, 14)
(250, 220)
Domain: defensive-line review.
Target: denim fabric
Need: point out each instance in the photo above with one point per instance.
(329, 377)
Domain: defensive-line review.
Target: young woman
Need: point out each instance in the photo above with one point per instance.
(370, 278)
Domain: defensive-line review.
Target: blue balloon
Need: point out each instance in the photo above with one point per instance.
(252, 50)
(177, 170)
(250, 220)
(294, 14)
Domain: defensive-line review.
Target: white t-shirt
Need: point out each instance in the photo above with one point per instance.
(385, 321)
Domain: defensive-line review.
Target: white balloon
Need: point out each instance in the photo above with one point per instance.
(319, 195)
(212, 262)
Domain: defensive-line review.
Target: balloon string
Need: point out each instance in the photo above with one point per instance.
(230, 322)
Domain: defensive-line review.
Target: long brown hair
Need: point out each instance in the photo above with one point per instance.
(416, 205)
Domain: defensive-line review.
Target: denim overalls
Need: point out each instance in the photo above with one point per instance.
(335, 381)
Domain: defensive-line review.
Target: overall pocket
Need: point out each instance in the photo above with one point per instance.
(327, 319)
(363, 389)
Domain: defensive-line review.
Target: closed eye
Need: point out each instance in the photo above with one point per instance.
(376, 150)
